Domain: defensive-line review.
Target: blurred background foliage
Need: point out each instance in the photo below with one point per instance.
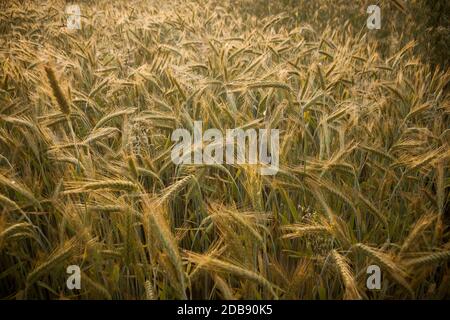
(425, 21)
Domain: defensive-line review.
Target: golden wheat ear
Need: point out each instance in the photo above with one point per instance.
(346, 273)
(57, 91)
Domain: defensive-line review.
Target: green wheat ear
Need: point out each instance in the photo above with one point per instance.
(57, 92)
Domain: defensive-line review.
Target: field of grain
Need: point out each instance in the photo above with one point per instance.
(86, 176)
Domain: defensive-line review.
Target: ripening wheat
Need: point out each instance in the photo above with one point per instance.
(86, 176)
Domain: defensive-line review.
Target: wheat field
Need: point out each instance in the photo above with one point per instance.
(86, 176)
